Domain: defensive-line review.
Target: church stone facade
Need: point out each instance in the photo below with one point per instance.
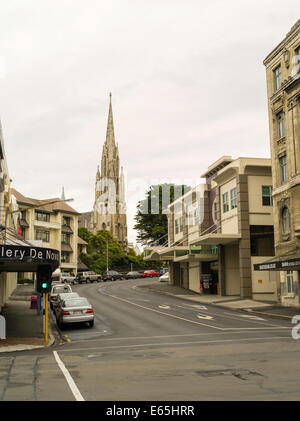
(109, 211)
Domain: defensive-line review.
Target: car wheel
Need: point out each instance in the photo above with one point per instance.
(112, 279)
(91, 323)
(99, 279)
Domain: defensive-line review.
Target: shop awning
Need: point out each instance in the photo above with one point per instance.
(283, 262)
(20, 258)
(218, 239)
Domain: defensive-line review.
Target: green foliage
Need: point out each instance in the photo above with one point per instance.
(151, 218)
(102, 245)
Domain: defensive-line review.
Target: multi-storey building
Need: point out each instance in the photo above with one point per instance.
(222, 228)
(50, 223)
(283, 90)
(8, 280)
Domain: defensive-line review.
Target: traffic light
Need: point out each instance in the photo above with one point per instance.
(43, 279)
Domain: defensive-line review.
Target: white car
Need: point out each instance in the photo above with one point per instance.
(164, 278)
(64, 296)
(58, 289)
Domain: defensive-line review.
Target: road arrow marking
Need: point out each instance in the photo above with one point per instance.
(204, 316)
(165, 307)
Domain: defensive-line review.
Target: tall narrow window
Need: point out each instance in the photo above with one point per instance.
(286, 229)
(289, 280)
(225, 202)
(233, 198)
(267, 196)
(281, 124)
(283, 169)
(296, 62)
(277, 78)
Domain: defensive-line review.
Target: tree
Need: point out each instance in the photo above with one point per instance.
(151, 218)
(103, 245)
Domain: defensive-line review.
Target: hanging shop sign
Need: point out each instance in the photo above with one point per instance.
(15, 258)
(291, 264)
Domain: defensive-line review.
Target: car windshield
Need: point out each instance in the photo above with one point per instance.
(58, 289)
(76, 302)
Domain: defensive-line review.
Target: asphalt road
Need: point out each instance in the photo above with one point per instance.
(147, 346)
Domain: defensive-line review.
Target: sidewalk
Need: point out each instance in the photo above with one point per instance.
(229, 302)
(24, 327)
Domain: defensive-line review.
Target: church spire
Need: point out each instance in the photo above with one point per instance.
(110, 134)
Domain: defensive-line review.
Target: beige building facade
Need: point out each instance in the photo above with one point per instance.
(221, 228)
(283, 90)
(8, 280)
(50, 223)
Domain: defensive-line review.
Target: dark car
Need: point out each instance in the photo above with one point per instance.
(111, 275)
(133, 275)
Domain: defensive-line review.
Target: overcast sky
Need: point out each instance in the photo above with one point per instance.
(186, 76)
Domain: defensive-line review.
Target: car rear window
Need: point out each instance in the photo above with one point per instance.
(57, 290)
(76, 302)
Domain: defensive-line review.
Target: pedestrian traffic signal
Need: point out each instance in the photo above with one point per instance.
(43, 279)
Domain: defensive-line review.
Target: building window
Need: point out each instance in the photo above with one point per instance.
(225, 202)
(283, 169)
(42, 235)
(233, 198)
(281, 124)
(289, 280)
(65, 238)
(65, 257)
(267, 196)
(42, 216)
(277, 78)
(296, 62)
(66, 220)
(286, 220)
(180, 224)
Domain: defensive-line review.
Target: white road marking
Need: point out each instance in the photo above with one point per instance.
(176, 343)
(71, 383)
(252, 317)
(165, 306)
(192, 321)
(203, 316)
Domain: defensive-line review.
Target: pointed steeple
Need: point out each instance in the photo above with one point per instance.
(63, 194)
(110, 134)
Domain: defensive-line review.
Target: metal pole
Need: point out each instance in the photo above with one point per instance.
(46, 317)
(107, 254)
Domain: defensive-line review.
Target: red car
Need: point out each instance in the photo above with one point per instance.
(150, 273)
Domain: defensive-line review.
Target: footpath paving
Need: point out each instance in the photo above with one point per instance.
(24, 327)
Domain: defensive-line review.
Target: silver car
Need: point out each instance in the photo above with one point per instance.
(75, 310)
(62, 296)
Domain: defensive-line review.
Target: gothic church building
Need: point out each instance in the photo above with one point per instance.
(109, 210)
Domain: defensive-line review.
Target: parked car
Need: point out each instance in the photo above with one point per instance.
(76, 310)
(111, 275)
(162, 271)
(164, 277)
(150, 273)
(58, 289)
(133, 275)
(89, 276)
(67, 277)
(62, 296)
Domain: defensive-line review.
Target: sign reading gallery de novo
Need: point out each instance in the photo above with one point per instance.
(28, 254)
